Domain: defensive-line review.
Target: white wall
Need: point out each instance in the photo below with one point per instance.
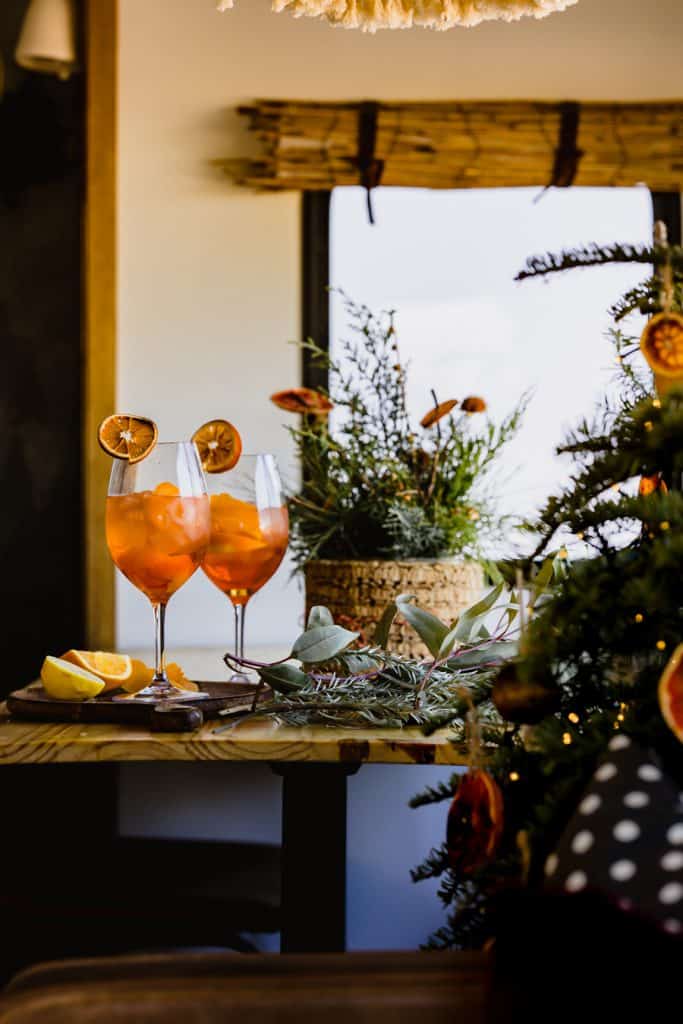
(209, 295)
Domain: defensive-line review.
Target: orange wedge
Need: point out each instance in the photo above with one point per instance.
(141, 676)
(219, 445)
(127, 437)
(112, 669)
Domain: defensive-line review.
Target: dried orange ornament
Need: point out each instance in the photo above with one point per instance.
(303, 400)
(124, 436)
(670, 693)
(438, 412)
(473, 404)
(219, 445)
(475, 822)
(650, 484)
(662, 345)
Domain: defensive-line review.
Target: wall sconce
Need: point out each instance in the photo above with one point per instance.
(47, 42)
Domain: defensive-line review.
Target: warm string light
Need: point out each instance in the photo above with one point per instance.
(661, 645)
(638, 617)
(566, 738)
(514, 776)
(656, 403)
(573, 718)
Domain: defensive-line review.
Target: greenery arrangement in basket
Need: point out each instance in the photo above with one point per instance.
(375, 485)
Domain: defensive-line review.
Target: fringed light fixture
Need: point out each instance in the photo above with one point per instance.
(371, 15)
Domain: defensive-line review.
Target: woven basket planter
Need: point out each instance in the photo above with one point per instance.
(357, 592)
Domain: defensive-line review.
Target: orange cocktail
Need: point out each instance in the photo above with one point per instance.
(249, 532)
(157, 538)
(246, 546)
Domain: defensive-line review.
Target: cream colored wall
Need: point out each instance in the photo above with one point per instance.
(209, 275)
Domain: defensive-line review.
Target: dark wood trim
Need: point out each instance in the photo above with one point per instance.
(315, 263)
(666, 206)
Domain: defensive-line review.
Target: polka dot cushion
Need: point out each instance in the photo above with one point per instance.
(626, 838)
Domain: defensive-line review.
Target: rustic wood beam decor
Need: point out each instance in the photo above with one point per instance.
(488, 144)
(371, 15)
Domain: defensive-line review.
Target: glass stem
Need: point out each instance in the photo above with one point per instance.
(159, 644)
(240, 611)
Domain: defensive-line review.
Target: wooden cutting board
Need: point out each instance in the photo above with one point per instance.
(35, 704)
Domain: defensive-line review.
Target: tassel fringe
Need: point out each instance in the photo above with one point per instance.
(371, 15)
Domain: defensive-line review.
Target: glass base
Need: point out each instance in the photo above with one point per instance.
(154, 694)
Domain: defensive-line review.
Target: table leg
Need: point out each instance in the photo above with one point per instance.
(313, 856)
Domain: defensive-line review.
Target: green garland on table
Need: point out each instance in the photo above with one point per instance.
(328, 680)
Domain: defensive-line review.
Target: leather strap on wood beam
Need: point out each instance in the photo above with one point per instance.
(567, 154)
(370, 167)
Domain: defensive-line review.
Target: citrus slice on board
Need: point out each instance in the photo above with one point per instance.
(671, 693)
(127, 437)
(65, 681)
(112, 669)
(219, 445)
(141, 676)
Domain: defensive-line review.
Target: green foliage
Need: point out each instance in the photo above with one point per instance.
(329, 681)
(644, 298)
(377, 486)
(603, 631)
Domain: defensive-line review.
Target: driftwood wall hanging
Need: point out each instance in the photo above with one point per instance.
(463, 145)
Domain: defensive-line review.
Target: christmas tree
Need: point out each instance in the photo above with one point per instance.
(599, 657)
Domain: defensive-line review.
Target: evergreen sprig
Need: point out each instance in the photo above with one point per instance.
(378, 486)
(606, 630)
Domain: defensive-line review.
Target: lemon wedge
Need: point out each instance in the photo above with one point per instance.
(65, 681)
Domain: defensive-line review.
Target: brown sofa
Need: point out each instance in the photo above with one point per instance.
(199, 988)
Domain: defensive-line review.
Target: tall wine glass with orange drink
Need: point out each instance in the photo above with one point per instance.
(158, 527)
(249, 519)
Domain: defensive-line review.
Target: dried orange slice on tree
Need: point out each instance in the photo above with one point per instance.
(662, 344)
(219, 445)
(112, 669)
(671, 693)
(124, 436)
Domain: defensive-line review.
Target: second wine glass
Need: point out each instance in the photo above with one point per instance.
(249, 532)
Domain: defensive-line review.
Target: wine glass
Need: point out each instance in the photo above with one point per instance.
(158, 526)
(249, 532)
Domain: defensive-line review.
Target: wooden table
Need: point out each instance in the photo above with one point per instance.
(314, 763)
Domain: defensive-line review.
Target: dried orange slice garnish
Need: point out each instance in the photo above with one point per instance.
(662, 344)
(219, 445)
(303, 400)
(141, 676)
(127, 437)
(112, 669)
(438, 412)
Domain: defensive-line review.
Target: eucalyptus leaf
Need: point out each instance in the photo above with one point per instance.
(428, 627)
(472, 618)
(319, 615)
(284, 678)
(504, 650)
(322, 643)
(383, 627)
(448, 643)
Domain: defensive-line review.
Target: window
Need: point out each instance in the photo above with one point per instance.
(446, 260)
